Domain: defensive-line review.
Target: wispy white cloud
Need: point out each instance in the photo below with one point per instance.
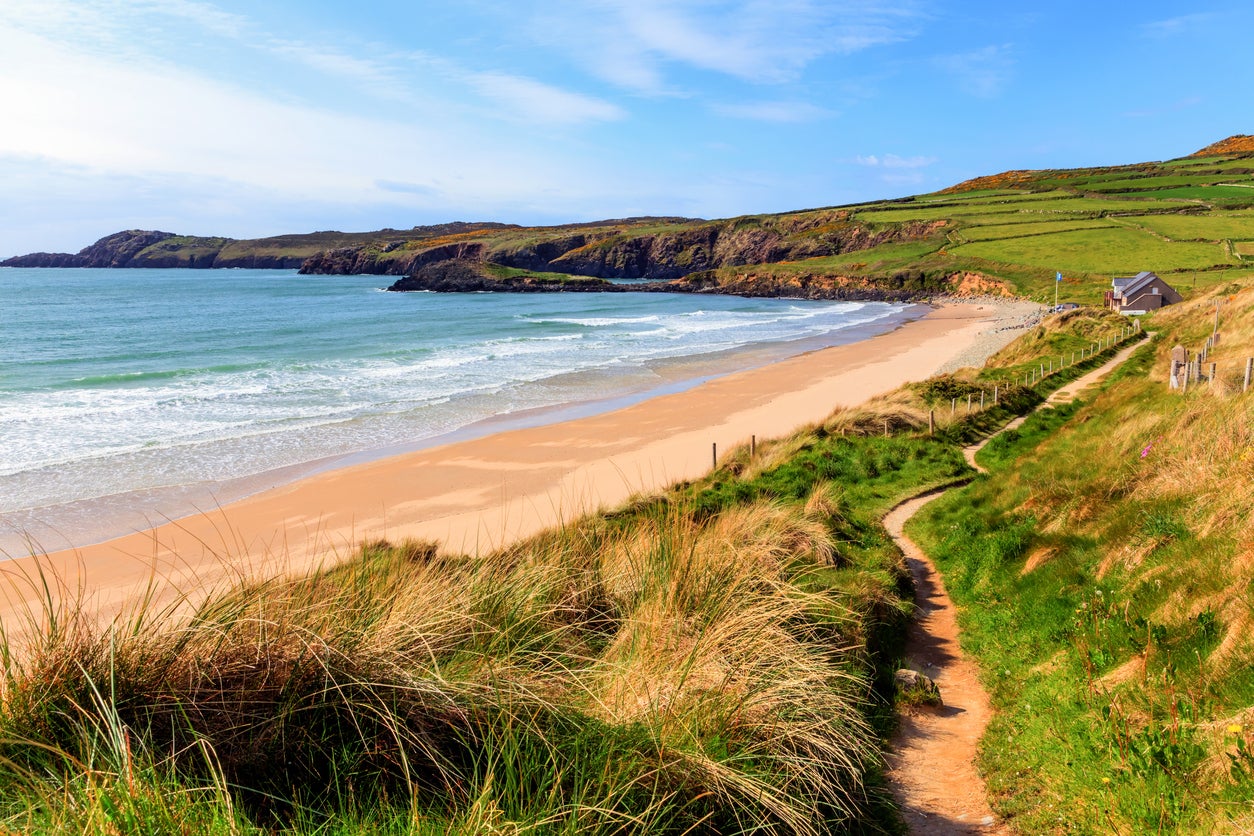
(983, 73)
(633, 43)
(1179, 25)
(107, 29)
(894, 161)
(86, 110)
(782, 112)
(532, 100)
(371, 75)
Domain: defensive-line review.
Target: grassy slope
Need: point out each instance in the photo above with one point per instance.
(705, 658)
(1104, 572)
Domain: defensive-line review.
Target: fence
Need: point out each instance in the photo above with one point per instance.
(1193, 369)
(961, 407)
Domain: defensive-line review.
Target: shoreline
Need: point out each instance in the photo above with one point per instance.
(479, 493)
(84, 522)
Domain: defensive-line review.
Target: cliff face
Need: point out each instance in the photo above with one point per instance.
(678, 250)
(349, 260)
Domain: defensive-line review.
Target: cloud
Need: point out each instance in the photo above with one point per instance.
(532, 100)
(158, 119)
(398, 187)
(983, 73)
(783, 112)
(374, 76)
(633, 43)
(895, 162)
(1176, 26)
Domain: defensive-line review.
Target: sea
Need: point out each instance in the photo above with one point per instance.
(129, 398)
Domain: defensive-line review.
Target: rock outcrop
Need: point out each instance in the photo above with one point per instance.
(464, 276)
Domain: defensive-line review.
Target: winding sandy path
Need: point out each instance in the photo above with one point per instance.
(932, 760)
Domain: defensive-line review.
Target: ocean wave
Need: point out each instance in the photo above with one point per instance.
(271, 378)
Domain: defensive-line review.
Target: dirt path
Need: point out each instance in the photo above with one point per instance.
(932, 759)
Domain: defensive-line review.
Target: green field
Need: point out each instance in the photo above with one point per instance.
(1243, 194)
(1113, 251)
(992, 232)
(1138, 184)
(1211, 227)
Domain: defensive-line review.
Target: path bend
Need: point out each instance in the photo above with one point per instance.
(932, 757)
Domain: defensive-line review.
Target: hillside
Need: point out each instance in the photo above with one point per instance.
(1103, 570)
(1190, 219)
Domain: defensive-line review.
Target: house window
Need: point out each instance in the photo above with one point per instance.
(1155, 291)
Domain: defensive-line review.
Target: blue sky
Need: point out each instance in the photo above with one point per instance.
(244, 119)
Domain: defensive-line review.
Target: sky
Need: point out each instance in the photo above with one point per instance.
(248, 118)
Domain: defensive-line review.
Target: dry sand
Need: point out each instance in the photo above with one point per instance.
(476, 495)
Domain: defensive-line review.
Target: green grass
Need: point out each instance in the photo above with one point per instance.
(1211, 227)
(991, 232)
(1226, 195)
(1113, 251)
(1164, 182)
(883, 259)
(1100, 588)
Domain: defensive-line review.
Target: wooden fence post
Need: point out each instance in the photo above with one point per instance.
(714, 447)
(931, 422)
(968, 403)
(994, 394)
(981, 399)
(1249, 370)
(753, 446)
(1212, 376)
(953, 407)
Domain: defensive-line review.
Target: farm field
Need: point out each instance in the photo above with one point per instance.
(1212, 227)
(1113, 251)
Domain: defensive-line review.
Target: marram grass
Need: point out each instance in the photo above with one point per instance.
(668, 674)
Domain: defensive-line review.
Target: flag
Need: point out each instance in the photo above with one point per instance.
(1058, 277)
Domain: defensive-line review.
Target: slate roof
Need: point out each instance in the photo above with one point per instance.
(1127, 287)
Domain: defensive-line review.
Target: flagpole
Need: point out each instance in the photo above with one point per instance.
(1057, 281)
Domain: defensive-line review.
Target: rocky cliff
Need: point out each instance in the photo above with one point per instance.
(664, 251)
(116, 250)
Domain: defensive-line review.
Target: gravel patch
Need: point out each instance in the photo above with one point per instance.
(1013, 317)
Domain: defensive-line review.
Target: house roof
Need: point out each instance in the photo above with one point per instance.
(1126, 287)
(1139, 281)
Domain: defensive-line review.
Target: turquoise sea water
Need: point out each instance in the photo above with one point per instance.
(132, 396)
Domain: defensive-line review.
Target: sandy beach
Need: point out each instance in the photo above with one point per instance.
(478, 494)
